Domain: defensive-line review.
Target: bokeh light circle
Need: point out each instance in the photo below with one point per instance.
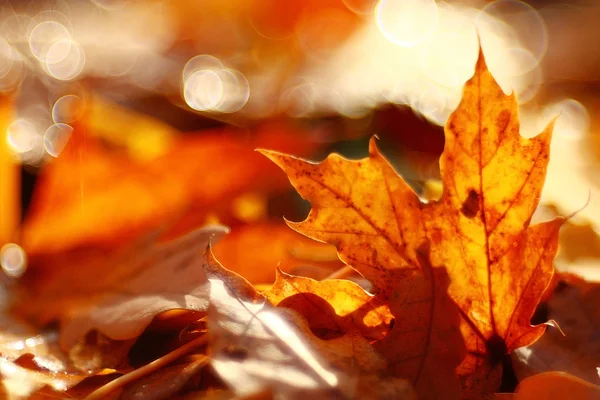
(236, 91)
(203, 90)
(67, 109)
(22, 135)
(56, 138)
(65, 60)
(13, 260)
(44, 36)
(201, 62)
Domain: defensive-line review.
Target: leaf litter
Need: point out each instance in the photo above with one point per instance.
(455, 283)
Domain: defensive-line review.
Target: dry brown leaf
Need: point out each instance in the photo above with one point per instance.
(119, 294)
(255, 346)
(492, 264)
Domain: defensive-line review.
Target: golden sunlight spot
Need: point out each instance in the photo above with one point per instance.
(407, 23)
(13, 260)
(250, 207)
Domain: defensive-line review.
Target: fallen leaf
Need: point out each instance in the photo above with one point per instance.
(577, 351)
(255, 346)
(332, 307)
(89, 184)
(119, 294)
(497, 266)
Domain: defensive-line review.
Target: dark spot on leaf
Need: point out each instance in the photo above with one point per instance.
(470, 207)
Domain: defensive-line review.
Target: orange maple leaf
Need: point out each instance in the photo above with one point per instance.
(91, 196)
(464, 274)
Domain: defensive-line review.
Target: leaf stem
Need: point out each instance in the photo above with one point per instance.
(103, 391)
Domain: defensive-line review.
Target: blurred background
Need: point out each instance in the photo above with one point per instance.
(120, 116)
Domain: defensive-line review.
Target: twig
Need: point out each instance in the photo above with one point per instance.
(103, 391)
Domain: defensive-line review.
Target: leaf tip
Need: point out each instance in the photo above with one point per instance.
(373, 149)
(210, 265)
(481, 65)
(272, 155)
